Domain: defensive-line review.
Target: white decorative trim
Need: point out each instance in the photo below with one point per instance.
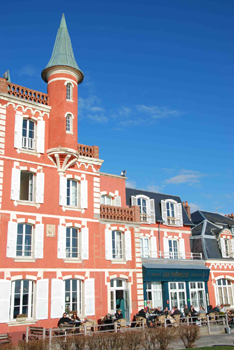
(79, 277)
(15, 278)
(31, 277)
(68, 277)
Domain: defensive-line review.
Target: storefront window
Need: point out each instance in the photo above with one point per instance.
(177, 294)
(224, 291)
(197, 295)
(154, 294)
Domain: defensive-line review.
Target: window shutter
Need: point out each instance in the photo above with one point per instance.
(89, 297)
(164, 211)
(84, 194)
(61, 242)
(63, 191)
(57, 298)
(39, 241)
(128, 245)
(5, 288)
(133, 200)
(40, 187)
(222, 247)
(166, 247)
(118, 201)
(153, 247)
(11, 239)
(18, 131)
(108, 244)
(42, 299)
(84, 243)
(15, 184)
(232, 247)
(182, 248)
(179, 216)
(41, 136)
(151, 212)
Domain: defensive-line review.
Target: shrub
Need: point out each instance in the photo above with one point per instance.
(189, 334)
(65, 343)
(159, 338)
(39, 344)
(94, 341)
(7, 347)
(132, 339)
(79, 342)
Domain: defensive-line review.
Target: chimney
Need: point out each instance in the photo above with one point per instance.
(187, 209)
(230, 216)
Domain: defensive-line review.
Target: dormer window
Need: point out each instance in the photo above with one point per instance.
(171, 212)
(69, 91)
(147, 211)
(171, 219)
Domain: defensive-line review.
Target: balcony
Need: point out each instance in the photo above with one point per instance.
(23, 93)
(171, 255)
(109, 212)
(88, 151)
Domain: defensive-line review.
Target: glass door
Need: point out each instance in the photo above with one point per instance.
(177, 295)
(119, 297)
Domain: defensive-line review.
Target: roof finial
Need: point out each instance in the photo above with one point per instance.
(63, 22)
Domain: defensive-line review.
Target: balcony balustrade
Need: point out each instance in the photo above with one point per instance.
(88, 151)
(171, 255)
(25, 93)
(110, 212)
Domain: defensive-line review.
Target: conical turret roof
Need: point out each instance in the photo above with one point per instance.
(62, 54)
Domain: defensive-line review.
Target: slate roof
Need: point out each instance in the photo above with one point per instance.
(62, 54)
(157, 202)
(216, 218)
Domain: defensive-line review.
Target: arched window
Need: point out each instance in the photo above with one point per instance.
(224, 291)
(68, 123)
(22, 298)
(72, 243)
(69, 91)
(73, 295)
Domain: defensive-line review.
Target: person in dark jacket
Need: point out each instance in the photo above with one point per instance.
(176, 311)
(142, 313)
(64, 319)
(118, 315)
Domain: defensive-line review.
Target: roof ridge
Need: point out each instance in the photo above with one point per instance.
(166, 194)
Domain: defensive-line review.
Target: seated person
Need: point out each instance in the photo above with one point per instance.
(216, 308)
(176, 311)
(76, 319)
(118, 315)
(222, 309)
(166, 311)
(142, 312)
(186, 311)
(194, 313)
(64, 319)
(158, 311)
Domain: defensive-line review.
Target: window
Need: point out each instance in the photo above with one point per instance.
(227, 247)
(24, 240)
(28, 134)
(22, 298)
(68, 123)
(72, 243)
(27, 186)
(197, 295)
(145, 247)
(173, 248)
(106, 200)
(69, 91)
(73, 295)
(154, 294)
(143, 209)
(147, 210)
(177, 294)
(72, 193)
(117, 245)
(171, 219)
(224, 291)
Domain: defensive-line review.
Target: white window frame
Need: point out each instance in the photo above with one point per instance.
(31, 298)
(153, 289)
(77, 195)
(23, 252)
(171, 208)
(69, 122)
(177, 290)
(69, 91)
(29, 143)
(144, 209)
(196, 287)
(145, 249)
(70, 254)
(117, 245)
(105, 198)
(173, 254)
(31, 186)
(228, 293)
(68, 294)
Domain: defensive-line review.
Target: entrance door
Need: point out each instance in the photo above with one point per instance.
(120, 298)
(177, 295)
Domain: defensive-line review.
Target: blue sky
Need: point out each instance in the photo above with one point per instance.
(157, 97)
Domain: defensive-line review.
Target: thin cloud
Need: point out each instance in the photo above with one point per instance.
(28, 70)
(157, 112)
(153, 188)
(193, 207)
(190, 177)
(90, 108)
(131, 184)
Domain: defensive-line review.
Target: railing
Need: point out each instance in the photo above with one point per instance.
(88, 151)
(110, 212)
(171, 255)
(27, 94)
(28, 143)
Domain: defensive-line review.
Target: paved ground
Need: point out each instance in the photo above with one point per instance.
(209, 340)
